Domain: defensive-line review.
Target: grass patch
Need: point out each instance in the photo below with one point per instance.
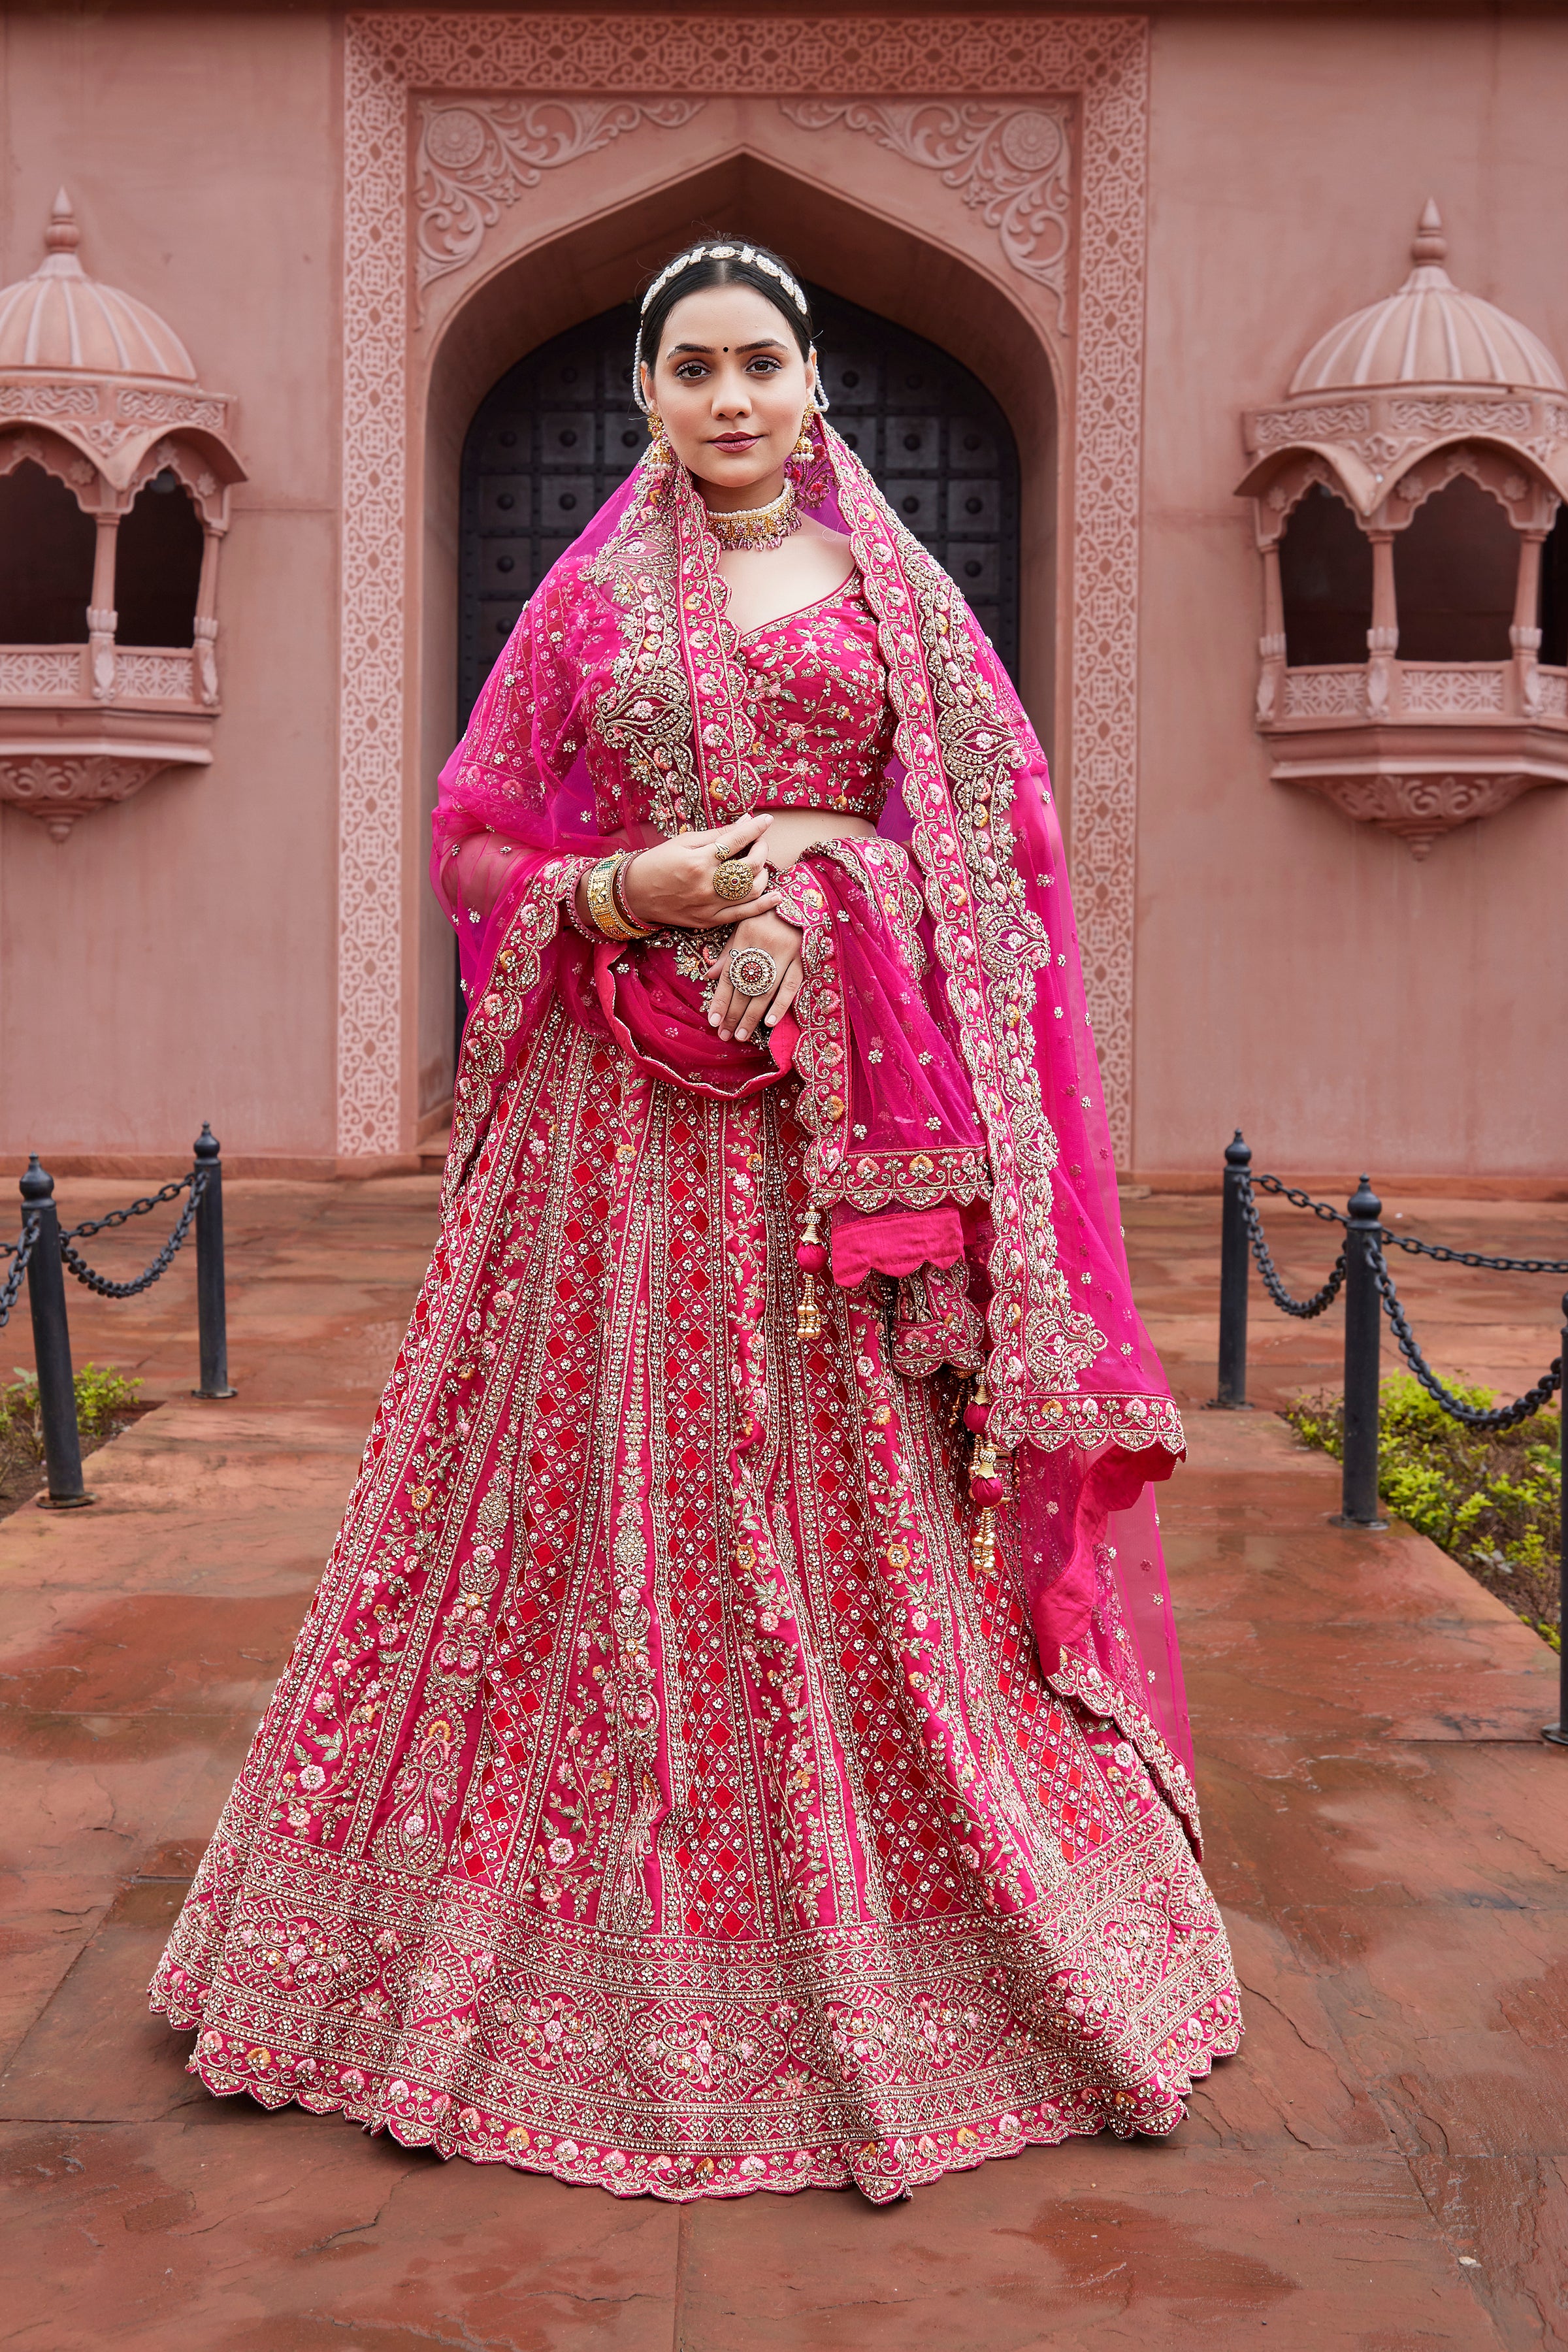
(106, 1402)
(1491, 1497)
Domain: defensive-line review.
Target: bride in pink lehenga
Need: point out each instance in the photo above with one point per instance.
(738, 1742)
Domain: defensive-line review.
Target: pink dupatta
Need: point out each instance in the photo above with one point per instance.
(947, 1064)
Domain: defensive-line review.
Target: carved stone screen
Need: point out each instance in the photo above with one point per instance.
(559, 431)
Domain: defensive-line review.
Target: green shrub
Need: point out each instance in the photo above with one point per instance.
(105, 1400)
(1492, 1498)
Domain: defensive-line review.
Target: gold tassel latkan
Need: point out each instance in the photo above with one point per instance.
(987, 1483)
(811, 1257)
(983, 1544)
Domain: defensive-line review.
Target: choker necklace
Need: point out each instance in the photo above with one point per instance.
(757, 529)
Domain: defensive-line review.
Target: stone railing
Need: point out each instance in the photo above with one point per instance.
(73, 675)
(1421, 692)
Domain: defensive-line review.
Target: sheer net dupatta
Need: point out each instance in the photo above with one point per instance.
(1079, 1400)
(517, 822)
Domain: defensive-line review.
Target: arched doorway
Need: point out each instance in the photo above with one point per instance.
(554, 438)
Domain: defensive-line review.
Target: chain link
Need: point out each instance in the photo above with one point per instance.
(21, 1250)
(136, 1209)
(92, 1280)
(1303, 1308)
(1324, 1209)
(1409, 1242)
(1503, 1416)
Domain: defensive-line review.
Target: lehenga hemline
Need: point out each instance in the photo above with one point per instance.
(883, 2169)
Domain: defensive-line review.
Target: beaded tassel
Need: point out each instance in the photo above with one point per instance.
(811, 1258)
(987, 1483)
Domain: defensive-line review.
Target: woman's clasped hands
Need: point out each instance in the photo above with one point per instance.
(673, 883)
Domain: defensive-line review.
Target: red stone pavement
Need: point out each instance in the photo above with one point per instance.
(1384, 2166)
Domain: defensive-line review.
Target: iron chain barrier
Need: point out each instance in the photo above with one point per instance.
(42, 1252)
(1361, 1271)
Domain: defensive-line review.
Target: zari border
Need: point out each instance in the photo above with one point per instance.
(390, 55)
(865, 1180)
(1080, 1678)
(884, 2171)
(493, 1023)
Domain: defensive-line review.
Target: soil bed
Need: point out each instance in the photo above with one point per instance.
(106, 1402)
(1491, 1499)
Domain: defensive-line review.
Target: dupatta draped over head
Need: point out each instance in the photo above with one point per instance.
(947, 1072)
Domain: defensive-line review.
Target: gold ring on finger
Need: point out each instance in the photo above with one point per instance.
(734, 879)
(753, 972)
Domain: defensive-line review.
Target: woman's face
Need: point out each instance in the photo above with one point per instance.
(732, 388)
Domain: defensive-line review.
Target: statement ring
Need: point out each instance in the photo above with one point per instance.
(734, 879)
(753, 972)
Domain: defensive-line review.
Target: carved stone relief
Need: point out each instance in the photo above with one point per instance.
(1010, 163)
(1419, 806)
(476, 158)
(987, 105)
(60, 791)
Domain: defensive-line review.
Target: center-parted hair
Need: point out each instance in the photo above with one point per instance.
(721, 261)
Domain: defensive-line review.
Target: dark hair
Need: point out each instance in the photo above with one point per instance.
(723, 261)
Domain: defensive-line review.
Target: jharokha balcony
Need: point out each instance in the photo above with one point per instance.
(1408, 502)
(115, 469)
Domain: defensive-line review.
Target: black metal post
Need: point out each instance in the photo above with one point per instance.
(52, 1347)
(1363, 1340)
(1234, 1266)
(1558, 1732)
(211, 1308)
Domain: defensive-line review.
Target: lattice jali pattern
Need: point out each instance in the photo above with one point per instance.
(1325, 693)
(41, 675)
(370, 738)
(1102, 64)
(1470, 689)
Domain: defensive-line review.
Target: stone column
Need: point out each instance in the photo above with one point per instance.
(101, 617)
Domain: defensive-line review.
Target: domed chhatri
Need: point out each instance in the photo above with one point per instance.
(1429, 333)
(99, 392)
(1431, 408)
(62, 321)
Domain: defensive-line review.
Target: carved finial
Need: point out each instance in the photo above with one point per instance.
(1430, 244)
(62, 235)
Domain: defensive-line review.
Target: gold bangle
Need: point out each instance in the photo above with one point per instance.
(602, 908)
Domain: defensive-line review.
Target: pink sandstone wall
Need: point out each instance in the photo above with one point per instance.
(1297, 975)
(176, 958)
(173, 959)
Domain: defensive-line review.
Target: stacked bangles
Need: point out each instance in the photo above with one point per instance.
(607, 894)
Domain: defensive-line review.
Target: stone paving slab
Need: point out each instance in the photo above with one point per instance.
(1385, 2169)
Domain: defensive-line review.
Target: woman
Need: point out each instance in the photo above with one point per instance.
(738, 1742)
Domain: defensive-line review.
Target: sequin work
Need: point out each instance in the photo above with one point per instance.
(656, 1796)
(816, 693)
(663, 1792)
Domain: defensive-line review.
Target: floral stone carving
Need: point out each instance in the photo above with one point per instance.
(476, 157)
(1418, 806)
(1010, 163)
(59, 787)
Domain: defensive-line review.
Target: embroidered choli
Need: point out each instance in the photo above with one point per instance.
(813, 724)
(816, 694)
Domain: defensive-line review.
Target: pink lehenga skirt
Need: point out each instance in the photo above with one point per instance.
(657, 1795)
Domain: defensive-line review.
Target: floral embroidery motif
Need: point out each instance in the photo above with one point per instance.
(1003, 1932)
(663, 1791)
(816, 694)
